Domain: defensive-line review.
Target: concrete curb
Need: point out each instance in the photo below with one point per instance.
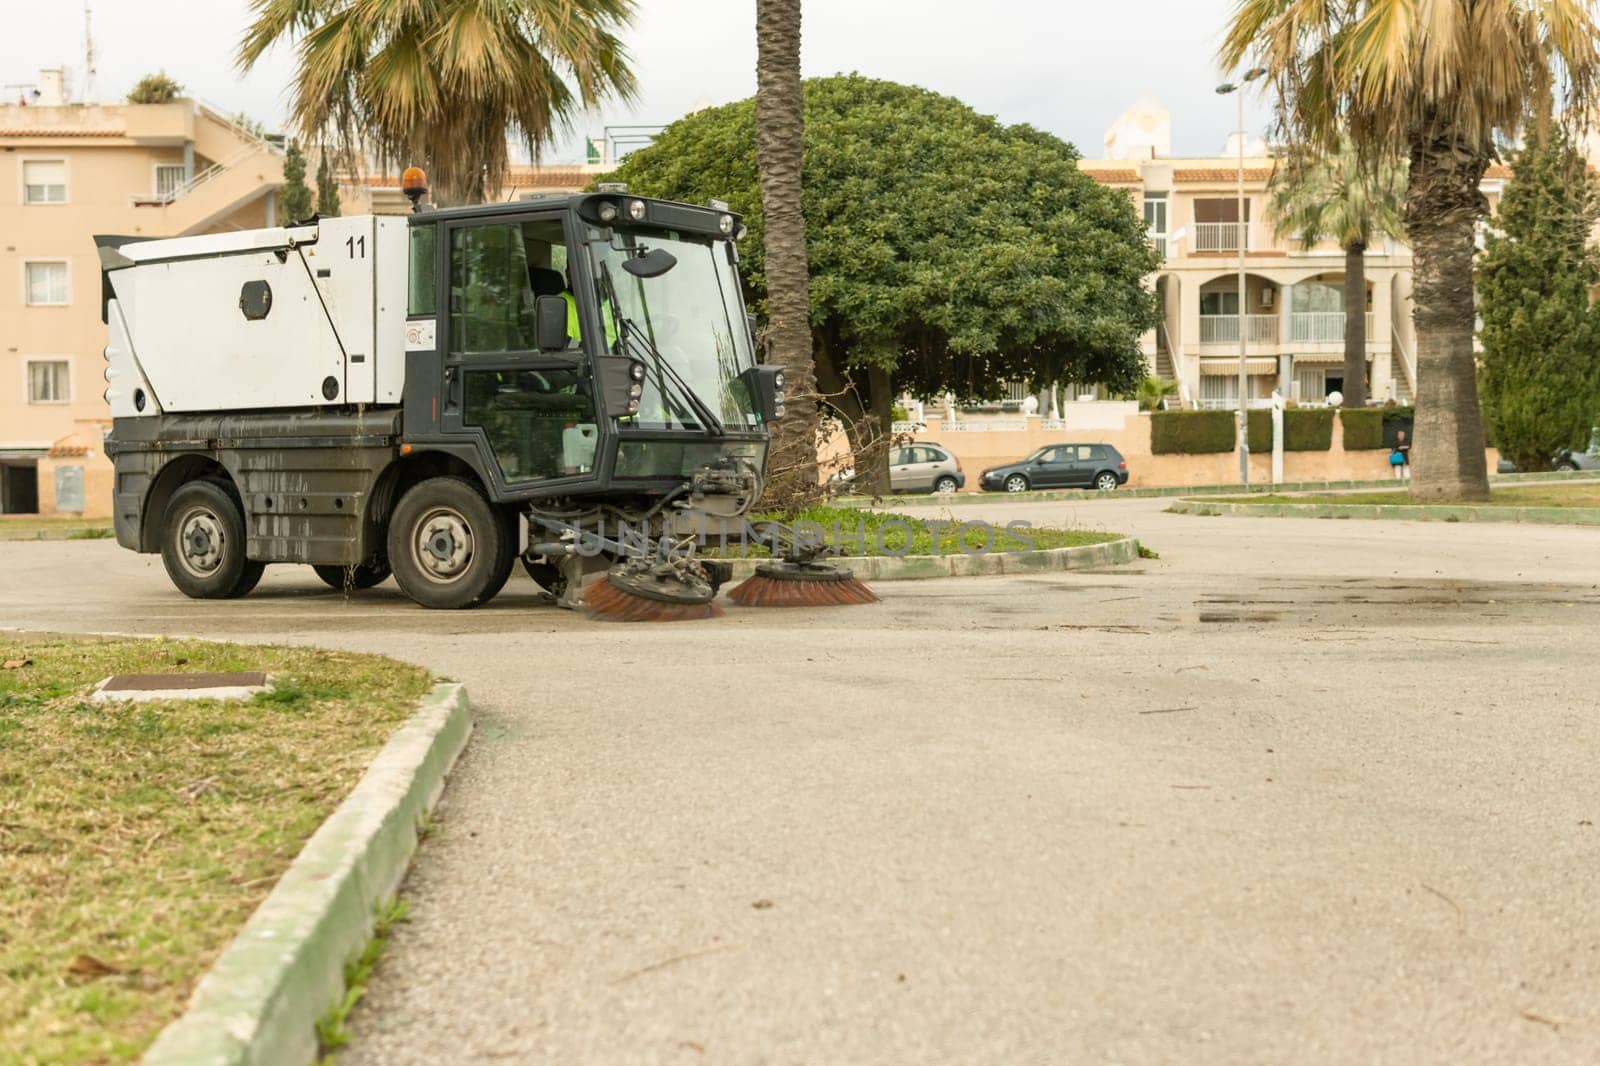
(259, 1004)
(1264, 488)
(1556, 516)
(915, 567)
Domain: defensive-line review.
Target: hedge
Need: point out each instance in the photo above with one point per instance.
(1363, 428)
(1304, 430)
(1192, 432)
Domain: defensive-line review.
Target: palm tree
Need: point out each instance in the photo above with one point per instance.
(1437, 83)
(1336, 196)
(780, 148)
(443, 82)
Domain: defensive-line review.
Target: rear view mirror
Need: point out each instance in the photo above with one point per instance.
(550, 323)
(652, 264)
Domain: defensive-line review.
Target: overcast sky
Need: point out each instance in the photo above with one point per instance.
(1067, 66)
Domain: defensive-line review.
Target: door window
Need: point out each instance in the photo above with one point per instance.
(540, 423)
(496, 272)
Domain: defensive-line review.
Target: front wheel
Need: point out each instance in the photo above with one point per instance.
(945, 485)
(203, 544)
(447, 545)
(354, 578)
(1106, 482)
(1566, 466)
(1016, 483)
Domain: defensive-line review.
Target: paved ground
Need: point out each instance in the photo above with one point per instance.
(1299, 791)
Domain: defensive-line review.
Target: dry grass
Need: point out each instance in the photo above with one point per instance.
(136, 838)
(36, 527)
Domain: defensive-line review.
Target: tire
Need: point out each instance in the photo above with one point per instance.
(1016, 483)
(945, 485)
(508, 556)
(1566, 466)
(364, 576)
(203, 543)
(447, 545)
(1105, 481)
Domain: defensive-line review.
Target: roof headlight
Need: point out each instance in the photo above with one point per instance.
(608, 212)
(636, 210)
(725, 224)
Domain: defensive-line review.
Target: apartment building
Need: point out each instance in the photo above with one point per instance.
(69, 171)
(1292, 314)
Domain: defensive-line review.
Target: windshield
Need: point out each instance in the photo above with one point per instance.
(693, 315)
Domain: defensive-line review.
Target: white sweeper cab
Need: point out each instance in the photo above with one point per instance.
(438, 396)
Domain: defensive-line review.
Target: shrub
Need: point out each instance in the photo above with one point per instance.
(155, 89)
(1307, 429)
(1363, 428)
(1191, 432)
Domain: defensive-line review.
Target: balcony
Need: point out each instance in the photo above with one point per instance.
(1215, 237)
(1323, 327)
(1224, 329)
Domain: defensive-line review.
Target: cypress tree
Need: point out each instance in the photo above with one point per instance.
(327, 188)
(1540, 372)
(294, 197)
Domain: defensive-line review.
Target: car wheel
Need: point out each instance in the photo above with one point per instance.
(203, 544)
(447, 545)
(1567, 465)
(1016, 483)
(945, 484)
(1106, 481)
(354, 578)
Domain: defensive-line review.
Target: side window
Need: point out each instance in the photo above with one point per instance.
(1086, 452)
(900, 457)
(422, 288)
(540, 423)
(491, 304)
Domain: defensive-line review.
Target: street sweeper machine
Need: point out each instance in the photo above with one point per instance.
(569, 381)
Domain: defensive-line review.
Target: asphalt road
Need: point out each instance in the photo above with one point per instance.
(1299, 791)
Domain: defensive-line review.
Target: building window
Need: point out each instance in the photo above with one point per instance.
(1155, 219)
(44, 181)
(1218, 391)
(170, 177)
(45, 284)
(1225, 302)
(48, 381)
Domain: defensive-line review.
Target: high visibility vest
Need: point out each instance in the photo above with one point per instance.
(575, 331)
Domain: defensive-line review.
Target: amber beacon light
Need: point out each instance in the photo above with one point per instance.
(414, 183)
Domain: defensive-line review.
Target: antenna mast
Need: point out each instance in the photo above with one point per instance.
(88, 54)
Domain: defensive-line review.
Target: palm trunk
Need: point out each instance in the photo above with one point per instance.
(1355, 325)
(780, 150)
(1443, 205)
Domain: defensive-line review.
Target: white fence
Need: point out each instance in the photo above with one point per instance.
(1322, 327)
(1219, 329)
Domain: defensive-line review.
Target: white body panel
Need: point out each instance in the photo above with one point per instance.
(337, 312)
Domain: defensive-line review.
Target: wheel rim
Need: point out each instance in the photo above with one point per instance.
(201, 543)
(1016, 484)
(1107, 482)
(443, 545)
(945, 485)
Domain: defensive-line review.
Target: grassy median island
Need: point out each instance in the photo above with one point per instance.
(39, 527)
(1585, 495)
(135, 839)
(861, 532)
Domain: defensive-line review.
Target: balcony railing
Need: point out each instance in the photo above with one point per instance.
(1224, 329)
(1160, 242)
(1323, 327)
(1221, 236)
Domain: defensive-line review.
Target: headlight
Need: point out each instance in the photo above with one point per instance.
(608, 212)
(725, 224)
(777, 381)
(636, 371)
(633, 407)
(777, 410)
(636, 210)
(635, 391)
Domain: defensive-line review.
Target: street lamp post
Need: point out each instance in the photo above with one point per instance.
(1240, 237)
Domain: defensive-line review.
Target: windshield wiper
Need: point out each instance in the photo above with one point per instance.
(637, 343)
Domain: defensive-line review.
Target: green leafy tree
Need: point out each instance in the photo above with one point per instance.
(1540, 370)
(947, 252)
(294, 197)
(444, 82)
(327, 187)
(1337, 196)
(1440, 84)
(155, 88)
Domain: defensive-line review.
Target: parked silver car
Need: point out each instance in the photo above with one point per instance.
(924, 468)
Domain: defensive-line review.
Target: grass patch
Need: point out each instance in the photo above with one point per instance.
(36, 527)
(861, 532)
(135, 839)
(1585, 495)
(331, 1032)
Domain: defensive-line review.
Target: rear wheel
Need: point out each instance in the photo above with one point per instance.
(203, 543)
(352, 578)
(1105, 481)
(945, 485)
(447, 545)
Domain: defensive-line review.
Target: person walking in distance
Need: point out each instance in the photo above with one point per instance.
(1400, 458)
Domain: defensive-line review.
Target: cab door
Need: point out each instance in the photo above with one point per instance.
(531, 412)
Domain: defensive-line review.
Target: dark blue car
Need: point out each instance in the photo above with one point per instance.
(1060, 466)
